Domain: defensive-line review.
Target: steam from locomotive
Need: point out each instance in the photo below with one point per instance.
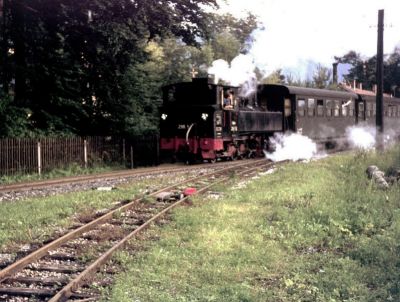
(291, 147)
(361, 137)
(240, 72)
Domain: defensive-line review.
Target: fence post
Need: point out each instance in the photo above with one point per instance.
(85, 152)
(39, 158)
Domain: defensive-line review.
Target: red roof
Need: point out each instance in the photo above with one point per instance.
(361, 91)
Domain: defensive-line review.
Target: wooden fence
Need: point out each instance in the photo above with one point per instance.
(25, 155)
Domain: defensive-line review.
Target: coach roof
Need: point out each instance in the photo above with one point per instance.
(307, 91)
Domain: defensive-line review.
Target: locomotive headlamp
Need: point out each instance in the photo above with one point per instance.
(164, 116)
(204, 116)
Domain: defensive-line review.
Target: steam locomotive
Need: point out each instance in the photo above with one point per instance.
(204, 121)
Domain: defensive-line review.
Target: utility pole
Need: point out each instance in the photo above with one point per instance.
(379, 78)
(335, 73)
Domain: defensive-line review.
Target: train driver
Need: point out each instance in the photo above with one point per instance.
(228, 100)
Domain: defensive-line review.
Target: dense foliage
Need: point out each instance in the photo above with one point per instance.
(364, 70)
(96, 67)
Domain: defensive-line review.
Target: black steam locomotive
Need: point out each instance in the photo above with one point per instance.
(201, 120)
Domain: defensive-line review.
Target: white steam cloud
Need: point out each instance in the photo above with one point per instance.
(364, 137)
(391, 136)
(239, 72)
(292, 147)
(361, 137)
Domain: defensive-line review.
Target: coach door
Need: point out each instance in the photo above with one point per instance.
(289, 118)
(360, 110)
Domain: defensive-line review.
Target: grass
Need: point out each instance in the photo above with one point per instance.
(71, 170)
(309, 232)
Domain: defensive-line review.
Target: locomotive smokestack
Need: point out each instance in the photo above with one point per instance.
(334, 73)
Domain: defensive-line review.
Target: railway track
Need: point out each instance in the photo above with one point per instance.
(136, 173)
(26, 186)
(58, 270)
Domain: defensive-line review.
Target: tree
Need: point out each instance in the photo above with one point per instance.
(364, 70)
(225, 46)
(78, 66)
(238, 28)
(227, 37)
(321, 77)
(275, 77)
(392, 73)
(14, 121)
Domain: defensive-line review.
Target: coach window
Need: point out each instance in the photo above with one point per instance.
(301, 107)
(345, 108)
(392, 111)
(369, 109)
(329, 105)
(373, 109)
(351, 108)
(311, 107)
(336, 108)
(320, 107)
(361, 110)
(288, 107)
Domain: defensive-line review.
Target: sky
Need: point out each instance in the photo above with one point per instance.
(299, 34)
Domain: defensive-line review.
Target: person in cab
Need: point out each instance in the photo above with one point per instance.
(228, 100)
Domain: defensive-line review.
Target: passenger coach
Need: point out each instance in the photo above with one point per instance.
(322, 115)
